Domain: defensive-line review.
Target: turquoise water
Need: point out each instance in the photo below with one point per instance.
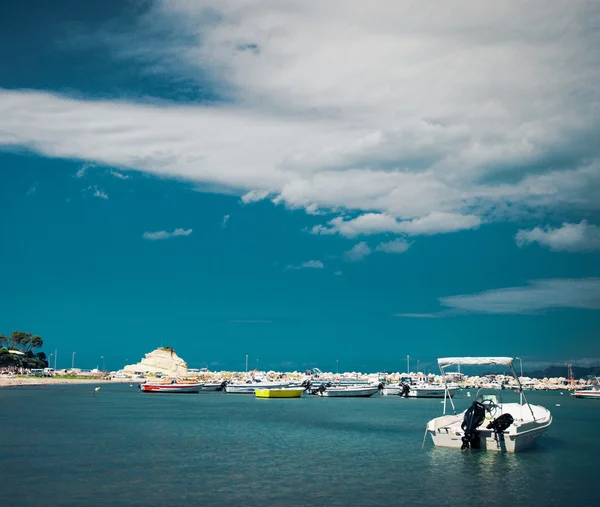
(62, 446)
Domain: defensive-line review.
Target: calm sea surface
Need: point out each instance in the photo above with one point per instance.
(63, 446)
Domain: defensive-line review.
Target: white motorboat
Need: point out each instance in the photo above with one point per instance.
(589, 392)
(347, 391)
(173, 386)
(251, 386)
(420, 390)
(212, 386)
(488, 423)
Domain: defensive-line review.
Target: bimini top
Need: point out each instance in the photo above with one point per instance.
(447, 361)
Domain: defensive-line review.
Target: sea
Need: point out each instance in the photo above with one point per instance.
(73, 445)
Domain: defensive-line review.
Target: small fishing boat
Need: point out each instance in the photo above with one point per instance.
(280, 392)
(589, 392)
(420, 390)
(349, 391)
(174, 386)
(213, 386)
(489, 423)
(251, 386)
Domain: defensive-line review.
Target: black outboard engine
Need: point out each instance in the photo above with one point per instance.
(322, 388)
(380, 386)
(499, 425)
(222, 386)
(474, 417)
(404, 390)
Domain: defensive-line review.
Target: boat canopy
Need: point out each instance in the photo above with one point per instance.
(448, 361)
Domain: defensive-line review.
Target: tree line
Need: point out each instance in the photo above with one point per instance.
(23, 342)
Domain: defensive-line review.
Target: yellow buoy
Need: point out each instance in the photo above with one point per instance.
(97, 389)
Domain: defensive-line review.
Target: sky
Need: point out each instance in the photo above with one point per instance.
(332, 184)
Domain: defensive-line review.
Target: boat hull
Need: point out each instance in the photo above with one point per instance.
(592, 395)
(356, 392)
(419, 392)
(250, 388)
(446, 431)
(170, 388)
(279, 393)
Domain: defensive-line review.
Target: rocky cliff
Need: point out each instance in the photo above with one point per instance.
(161, 360)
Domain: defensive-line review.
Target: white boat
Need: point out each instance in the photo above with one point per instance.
(421, 390)
(488, 423)
(589, 392)
(213, 386)
(250, 387)
(170, 387)
(348, 391)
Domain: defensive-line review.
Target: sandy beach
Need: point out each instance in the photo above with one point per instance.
(21, 380)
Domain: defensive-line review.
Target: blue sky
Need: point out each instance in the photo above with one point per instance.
(300, 184)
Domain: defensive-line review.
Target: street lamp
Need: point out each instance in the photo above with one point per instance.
(55, 356)
(73, 361)
(337, 361)
(257, 365)
(102, 357)
(407, 364)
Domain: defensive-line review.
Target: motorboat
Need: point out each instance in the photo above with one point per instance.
(171, 386)
(213, 386)
(589, 392)
(280, 392)
(250, 386)
(488, 423)
(346, 391)
(419, 390)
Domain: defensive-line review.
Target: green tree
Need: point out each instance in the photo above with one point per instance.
(36, 342)
(3, 340)
(18, 339)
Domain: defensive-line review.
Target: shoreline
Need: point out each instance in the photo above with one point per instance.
(19, 381)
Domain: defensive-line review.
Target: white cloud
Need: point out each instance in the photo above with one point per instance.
(581, 237)
(396, 246)
(32, 189)
(583, 293)
(166, 235)
(408, 110)
(82, 170)
(358, 252)
(225, 220)
(96, 192)
(307, 265)
(119, 175)
(377, 223)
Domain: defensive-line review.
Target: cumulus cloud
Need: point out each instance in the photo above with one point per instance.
(358, 252)
(581, 237)
(396, 246)
(82, 170)
(376, 223)
(96, 192)
(307, 265)
(119, 175)
(583, 293)
(166, 234)
(407, 110)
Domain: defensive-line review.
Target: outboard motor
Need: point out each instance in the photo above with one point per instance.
(474, 417)
(222, 386)
(404, 391)
(380, 387)
(322, 388)
(499, 425)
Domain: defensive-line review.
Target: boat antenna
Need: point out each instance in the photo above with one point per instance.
(512, 369)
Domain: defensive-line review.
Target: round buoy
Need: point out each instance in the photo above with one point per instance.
(97, 389)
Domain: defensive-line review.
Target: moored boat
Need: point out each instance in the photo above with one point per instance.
(349, 391)
(488, 423)
(421, 390)
(589, 392)
(250, 387)
(280, 392)
(171, 387)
